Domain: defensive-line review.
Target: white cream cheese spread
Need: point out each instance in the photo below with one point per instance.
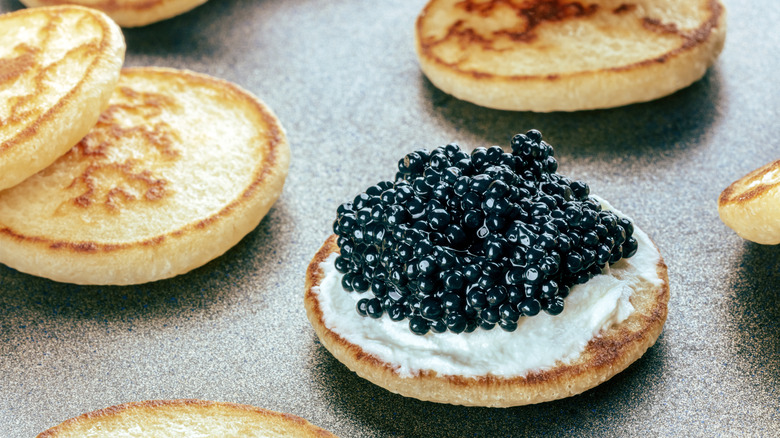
(540, 342)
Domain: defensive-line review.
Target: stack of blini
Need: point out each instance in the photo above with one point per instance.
(115, 177)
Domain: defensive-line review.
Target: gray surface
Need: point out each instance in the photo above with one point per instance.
(344, 80)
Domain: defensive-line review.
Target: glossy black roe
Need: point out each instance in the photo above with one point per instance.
(461, 241)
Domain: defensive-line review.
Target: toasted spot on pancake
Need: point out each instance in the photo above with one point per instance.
(14, 67)
(89, 247)
(753, 185)
(123, 153)
(528, 16)
(623, 8)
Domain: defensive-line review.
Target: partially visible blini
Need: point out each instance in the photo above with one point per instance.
(185, 418)
(130, 13)
(567, 56)
(751, 205)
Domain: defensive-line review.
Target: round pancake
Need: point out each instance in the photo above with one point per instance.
(162, 418)
(604, 356)
(58, 68)
(563, 55)
(129, 13)
(177, 170)
(751, 205)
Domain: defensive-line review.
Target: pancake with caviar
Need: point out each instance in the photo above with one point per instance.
(206, 419)
(130, 13)
(58, 68)
(178, 169)
(485, 279)
(563, 55)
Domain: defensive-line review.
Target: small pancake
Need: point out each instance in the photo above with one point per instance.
(130, 13)
(58, 68)
(178, 169)
(563, 55)
(181, 418)
(751, 205)
(607, 354)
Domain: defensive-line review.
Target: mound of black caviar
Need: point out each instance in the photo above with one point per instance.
(461, 241)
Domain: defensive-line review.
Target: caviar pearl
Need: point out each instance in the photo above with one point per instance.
(361, 306)
(418, 325)
(456, 323)
(431, 308)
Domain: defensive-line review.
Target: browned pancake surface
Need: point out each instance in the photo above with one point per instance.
(578, 54)
(58, 67)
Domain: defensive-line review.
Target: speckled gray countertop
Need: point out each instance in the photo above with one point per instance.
(343, 78)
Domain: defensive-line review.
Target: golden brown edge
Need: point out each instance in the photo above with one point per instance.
(604, 356)
(50, 115)
(151, 404)
(701, 34)
(114, 5)
(135, 14)
(733, 195)
(275, 160)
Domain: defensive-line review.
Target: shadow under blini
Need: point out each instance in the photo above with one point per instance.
(755, 316)
(587, 413)
(665, 128)
(49, 305)
(195, 34)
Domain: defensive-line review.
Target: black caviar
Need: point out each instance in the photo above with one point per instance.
(460, 241)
